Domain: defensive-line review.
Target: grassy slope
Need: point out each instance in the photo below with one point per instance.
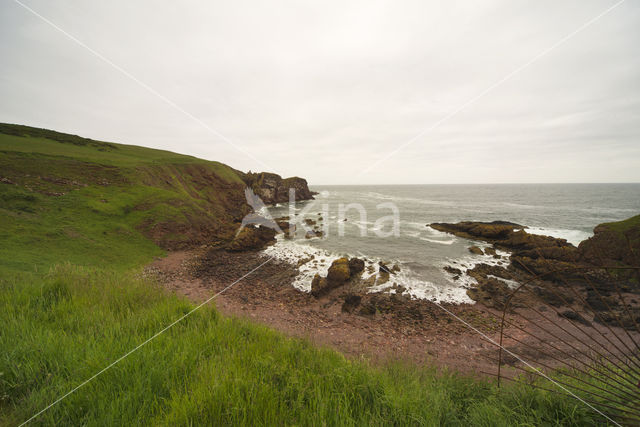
(86, 306)
(624, 226)
(96, 203)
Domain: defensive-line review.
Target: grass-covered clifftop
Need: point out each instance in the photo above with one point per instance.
(85, 201)
(79, 218)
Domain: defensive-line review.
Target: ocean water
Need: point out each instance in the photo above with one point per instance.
(568, 211)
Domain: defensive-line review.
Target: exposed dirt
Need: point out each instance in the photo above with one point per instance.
(415, 330)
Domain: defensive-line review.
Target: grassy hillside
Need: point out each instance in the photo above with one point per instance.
(61, 328)
(64, 197)
(79, 219)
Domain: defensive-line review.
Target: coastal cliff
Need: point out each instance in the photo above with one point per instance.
(272, 188)
(176, 201)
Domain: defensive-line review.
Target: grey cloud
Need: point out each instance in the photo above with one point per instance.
(323, 89)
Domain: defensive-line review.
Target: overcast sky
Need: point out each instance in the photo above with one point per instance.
(325, 89)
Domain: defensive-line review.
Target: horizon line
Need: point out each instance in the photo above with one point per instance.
(483, 183)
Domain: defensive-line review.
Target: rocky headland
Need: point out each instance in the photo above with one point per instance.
(600, 276)
(272, 188)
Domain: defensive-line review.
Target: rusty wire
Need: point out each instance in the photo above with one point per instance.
(606, 349)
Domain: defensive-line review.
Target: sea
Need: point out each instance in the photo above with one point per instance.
(389, 223)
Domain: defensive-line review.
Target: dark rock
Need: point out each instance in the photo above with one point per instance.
(490, 292)
(383, 273)
(339, 271)
(351, 302)
(318, 285)
(576, 317)
(599, 302)
(313, 233)
(628, 319)
(272, 188)
(482, 230)
(286, 226)
(452, 270)
(554, 298)
(356, 265)
(368, 310)
(252, 238)
(490, 251)
(399, 289)
(476, 250)
(384, 268)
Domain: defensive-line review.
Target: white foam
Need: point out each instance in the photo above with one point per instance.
(293, 251)
(572, 236)
(413, 224)
(379, 196)
(512, 284)
(362, 225)
(422, 289)
(441, 242)
(469, 262)
(435, 232)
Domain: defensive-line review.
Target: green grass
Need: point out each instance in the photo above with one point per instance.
(61, 328)
(78, 220)
(94, 203)
(623, 226)
(26, 139)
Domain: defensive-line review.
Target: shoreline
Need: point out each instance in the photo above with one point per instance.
(406, 329)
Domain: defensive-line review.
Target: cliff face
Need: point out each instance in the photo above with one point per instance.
(614, 243)
(272, 188)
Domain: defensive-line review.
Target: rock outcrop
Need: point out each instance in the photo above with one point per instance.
(535, 254)
(272, 188)
(251, 238)
(342, 271)
(616, 243)
(557, 264)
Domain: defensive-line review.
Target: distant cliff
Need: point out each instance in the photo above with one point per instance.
(176, 201)
(272, 188)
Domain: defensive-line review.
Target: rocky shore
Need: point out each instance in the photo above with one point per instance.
(343, 312)
(598, 277)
